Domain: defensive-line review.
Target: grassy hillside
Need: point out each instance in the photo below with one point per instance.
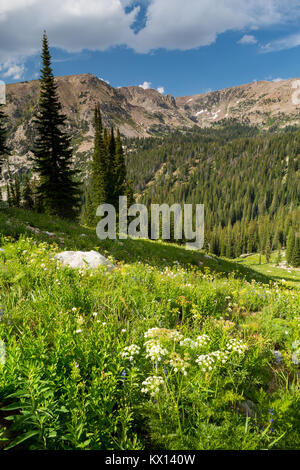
(278, 272)
(170, 350)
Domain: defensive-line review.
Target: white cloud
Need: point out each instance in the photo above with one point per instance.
(103, 80)
(287, 42)
(172, 24)
(248, 39)
(72, 25)
(75, 25)
(12, 70)
(148, 85)
(277, 80)
(145, 85)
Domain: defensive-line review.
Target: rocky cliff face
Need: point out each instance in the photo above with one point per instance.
(261, 103)
(139, 112)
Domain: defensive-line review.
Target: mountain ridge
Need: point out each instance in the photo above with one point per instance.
(142, 113)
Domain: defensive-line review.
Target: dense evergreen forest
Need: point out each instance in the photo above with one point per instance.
(249, 182)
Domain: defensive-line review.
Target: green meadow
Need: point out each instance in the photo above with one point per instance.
(170, 350)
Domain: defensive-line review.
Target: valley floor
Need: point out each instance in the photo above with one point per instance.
(171, 350)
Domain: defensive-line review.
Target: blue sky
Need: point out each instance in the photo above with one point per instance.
(179, 47)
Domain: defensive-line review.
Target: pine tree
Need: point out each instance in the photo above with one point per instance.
(57, 191)
(8, 196)
(120, 168)
(27, 195)
(88, 212)
(278, 260)
(105, 140)
(268, 248)
(3, 132)
(290, 243)
(112, 190)
(13, 190)
(295, 261)
(97, 193)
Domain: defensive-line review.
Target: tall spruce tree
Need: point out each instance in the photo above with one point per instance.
(268, 248)
(278, 259)
(58, 193)
(295, 261)
(108, 172)
(120, 167)
(112, 190)
(27, 194)
(98, 193)
(290, 243)
(3, 132)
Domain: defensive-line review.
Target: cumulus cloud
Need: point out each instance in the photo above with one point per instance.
(161, 90)
(248, 39)
(145, 85)
(75, 25)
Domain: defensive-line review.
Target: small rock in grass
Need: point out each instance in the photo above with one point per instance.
(248, 408)
(33, 229)
(295, 359)
(81, 259)
(278, 357)
(50, 234)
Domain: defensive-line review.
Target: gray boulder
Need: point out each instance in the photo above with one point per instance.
(80, 259)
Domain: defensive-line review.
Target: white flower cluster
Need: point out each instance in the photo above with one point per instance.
(206, 362)
(164, 334)
(151, 384)
(131, 351)
(174, 335)
(236, 345)
(151, 333)
(221, 356)
(178, 363)
(154, 350)
(199, 342)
